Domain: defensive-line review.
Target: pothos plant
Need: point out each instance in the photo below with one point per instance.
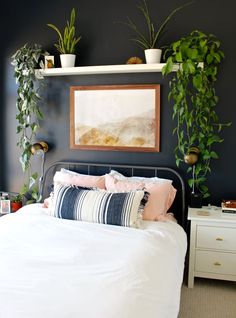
(26, 60)
(192, 90)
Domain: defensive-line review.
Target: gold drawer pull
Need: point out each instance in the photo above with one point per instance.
(219, 239)
(217, 264)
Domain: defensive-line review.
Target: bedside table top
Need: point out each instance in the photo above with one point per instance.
(211, 213)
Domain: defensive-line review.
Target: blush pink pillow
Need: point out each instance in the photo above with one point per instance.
(78, 179)
(161, 196)
(67, 177)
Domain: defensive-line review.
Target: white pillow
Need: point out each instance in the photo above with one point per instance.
(117, 175)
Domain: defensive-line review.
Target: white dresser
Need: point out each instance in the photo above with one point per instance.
(212, 251)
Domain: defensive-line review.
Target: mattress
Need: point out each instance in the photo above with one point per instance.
(50, 267)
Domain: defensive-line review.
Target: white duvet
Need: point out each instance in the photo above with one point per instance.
(54, 268)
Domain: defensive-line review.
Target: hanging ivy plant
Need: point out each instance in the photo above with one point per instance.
(26, 61)
(192, 90)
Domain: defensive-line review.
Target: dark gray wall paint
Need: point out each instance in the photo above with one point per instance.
(2, 130)
(106, 42)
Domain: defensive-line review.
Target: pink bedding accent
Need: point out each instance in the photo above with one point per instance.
(161, 196)
(78, 179)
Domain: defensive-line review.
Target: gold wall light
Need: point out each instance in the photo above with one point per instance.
(192, 156)
(40, 148)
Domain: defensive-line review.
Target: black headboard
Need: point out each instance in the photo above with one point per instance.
(178, 206)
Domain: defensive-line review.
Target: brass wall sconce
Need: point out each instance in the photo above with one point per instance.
(192, 156)
(40, 148)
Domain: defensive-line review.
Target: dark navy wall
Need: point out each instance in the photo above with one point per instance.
(106, 42)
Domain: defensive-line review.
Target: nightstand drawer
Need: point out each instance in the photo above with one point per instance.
(215, 262)
(220, 238)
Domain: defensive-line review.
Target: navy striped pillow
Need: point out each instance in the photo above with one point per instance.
(99, 206)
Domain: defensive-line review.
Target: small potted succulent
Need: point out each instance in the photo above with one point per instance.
(67, 41)
(16, 202)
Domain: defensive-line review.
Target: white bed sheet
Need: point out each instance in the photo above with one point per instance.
(54, 268)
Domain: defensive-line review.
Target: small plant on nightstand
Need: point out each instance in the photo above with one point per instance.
(16, 202)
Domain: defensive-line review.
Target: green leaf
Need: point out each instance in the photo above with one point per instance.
(190, 66)
(203, 188)
(197, 81)
(192, 53)
(35, 196)
(190, 182)
(168, 67)
(178, 57)
(214, 155)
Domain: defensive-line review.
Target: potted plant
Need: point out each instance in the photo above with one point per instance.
(67, 41)
(149, 40)
(26, 61)
(16, 202)
(193, 93)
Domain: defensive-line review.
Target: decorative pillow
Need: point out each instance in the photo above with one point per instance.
(120, 176)
(82, 180)
(161, 195)
(69, 177)
(99, 206)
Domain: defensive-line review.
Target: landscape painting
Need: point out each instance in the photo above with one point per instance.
(115, 117)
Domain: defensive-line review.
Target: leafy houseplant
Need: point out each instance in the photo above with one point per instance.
(150, 39)
(67, 41)
(16, 202)
(192, 90)
(25, 61)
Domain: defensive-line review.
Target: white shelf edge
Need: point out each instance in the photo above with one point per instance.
(102, 69)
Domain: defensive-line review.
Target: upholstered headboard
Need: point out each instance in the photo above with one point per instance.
(178, 207)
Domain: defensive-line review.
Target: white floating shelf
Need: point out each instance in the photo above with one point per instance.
(103, 69)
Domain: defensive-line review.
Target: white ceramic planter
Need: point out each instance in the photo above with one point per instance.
(153, 56)
(67, 60)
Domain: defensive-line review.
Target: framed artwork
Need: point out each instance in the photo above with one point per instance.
(5, 206)
(115, 117)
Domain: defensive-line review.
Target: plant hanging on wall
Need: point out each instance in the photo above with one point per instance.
(192, 90)
(26, 60)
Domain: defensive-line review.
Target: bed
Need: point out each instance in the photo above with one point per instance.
(62, 268)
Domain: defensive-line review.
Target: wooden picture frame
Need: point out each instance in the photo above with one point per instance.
(115, 117)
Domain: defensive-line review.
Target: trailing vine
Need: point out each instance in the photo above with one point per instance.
(192, 90)
(26, 61)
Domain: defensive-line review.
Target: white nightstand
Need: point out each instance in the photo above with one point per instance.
(212, 252)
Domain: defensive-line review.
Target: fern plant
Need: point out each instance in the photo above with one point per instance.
(67, 41)
(193, 93)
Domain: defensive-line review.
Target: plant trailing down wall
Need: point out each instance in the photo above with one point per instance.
(193, 92)
(25, 61)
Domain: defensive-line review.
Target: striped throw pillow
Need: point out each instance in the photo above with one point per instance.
(99, 206)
